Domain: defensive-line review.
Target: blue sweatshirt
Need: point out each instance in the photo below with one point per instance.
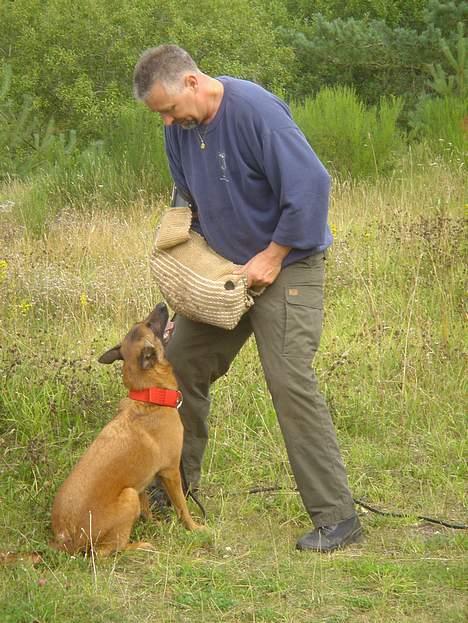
(257, 180)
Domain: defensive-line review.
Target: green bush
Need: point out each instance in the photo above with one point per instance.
(394, 13)
(445, 15)
(348, 137)
(26, 145)
(77, 59)
(441, 122)
(374, 56)
(130, 166)
(58, 171)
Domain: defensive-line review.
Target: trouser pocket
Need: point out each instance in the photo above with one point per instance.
(304, 316)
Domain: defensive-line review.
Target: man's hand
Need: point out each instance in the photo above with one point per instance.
(264, 267)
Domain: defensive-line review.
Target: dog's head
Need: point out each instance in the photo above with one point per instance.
(143, 346)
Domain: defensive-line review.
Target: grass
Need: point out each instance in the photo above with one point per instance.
(391, 365)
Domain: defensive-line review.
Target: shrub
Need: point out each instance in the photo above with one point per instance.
(394, 13)
(26, 145)
(130, 166)
(348, 137)
(375, 56)
(77, 59)
(442, 122)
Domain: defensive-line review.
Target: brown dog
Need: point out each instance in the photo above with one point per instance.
(100, 501)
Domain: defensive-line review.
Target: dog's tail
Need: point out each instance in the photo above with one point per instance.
(11, 558)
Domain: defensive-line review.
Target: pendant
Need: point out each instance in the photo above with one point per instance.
(201, 139)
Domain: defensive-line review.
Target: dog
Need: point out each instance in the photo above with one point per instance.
(98, 504)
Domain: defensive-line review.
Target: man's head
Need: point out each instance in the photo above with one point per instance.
(166, 64)
(169, 82)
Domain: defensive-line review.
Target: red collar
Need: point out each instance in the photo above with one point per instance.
(157, 396)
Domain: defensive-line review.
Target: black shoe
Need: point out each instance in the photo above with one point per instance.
(158, 499)
(329, 538)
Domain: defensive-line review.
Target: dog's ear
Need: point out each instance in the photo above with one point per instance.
(148, 356)
(111, 355)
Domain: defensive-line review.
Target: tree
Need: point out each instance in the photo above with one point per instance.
(404, 13)
(376, 58)
(77, 59)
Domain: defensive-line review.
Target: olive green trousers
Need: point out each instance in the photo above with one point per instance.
(286, 321)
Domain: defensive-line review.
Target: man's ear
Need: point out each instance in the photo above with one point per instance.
(191, 81)
(148, 356)
(111, 355)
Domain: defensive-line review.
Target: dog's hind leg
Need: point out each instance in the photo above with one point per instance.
(172, 482)
(145, 508)
(116, 535)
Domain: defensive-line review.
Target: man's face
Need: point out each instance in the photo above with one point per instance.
(180, 108)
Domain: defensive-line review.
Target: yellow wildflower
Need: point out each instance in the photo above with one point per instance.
(83, 300)
(24, 307)
(3, 270)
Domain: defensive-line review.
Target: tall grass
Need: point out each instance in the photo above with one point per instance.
(391, 364)
(443, 123)
(127, 166)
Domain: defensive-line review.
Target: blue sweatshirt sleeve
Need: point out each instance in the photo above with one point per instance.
(173, 158)
(301, 185)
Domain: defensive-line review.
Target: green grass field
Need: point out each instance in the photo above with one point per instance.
(392, 365)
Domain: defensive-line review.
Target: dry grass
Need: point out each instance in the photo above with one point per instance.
(392, 366)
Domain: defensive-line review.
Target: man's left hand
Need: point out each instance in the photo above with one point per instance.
(264, 268)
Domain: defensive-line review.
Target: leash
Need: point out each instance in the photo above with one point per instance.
(372, 509)
(188, 491)
(441, 522)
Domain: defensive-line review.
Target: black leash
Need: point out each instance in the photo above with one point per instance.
(447, 524)
(442, 522)
(188, 491)
(272, 489)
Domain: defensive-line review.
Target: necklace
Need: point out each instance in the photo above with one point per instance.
(201, 138)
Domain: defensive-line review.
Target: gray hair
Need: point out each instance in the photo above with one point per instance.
(166, 64)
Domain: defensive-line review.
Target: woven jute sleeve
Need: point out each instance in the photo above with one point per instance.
(200, 284)
(174, 227)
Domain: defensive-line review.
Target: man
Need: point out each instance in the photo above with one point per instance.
(260, 199)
